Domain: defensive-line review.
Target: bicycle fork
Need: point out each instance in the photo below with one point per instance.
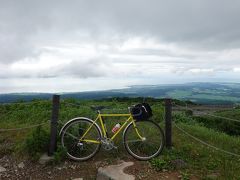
(136, 129)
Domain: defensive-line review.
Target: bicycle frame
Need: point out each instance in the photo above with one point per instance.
(103, 128)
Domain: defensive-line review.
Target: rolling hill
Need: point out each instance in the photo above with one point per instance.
(203, 93)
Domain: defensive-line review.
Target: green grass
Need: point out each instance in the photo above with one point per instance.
(20, 114)
(223, 125)
(200, 160)
(25, 114)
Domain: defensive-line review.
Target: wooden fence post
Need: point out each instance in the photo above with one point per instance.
(54, 123)
(168, 122)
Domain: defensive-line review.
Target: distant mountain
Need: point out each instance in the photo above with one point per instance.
(205, 93)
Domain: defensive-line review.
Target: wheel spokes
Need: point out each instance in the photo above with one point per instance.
(147, 148)
(74, 137)
(139, 140)
(80, 150)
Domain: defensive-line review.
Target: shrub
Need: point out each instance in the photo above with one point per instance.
(188, 112)
(60, 154)
(37, 142)
(160, 164)
(181, 117)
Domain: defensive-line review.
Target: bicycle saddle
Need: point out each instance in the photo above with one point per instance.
(97, 108)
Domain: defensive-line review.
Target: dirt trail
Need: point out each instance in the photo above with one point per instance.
(26, 169)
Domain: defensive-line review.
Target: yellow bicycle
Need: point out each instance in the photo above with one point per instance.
(142, 138)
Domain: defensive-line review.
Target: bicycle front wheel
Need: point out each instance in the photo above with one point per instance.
(88, 146)
(145, 141)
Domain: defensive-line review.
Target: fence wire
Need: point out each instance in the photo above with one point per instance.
(207, 114)
(26, 103)
(59, 121)
(229, 119)
(93, 107)
(205, 143)
(71, 104)
(23, 128)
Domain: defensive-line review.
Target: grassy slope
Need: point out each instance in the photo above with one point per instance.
(205, 161)
(223, 125)
(201, 161)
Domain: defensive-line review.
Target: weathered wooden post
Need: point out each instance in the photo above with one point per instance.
(54, 123)
(168, 122)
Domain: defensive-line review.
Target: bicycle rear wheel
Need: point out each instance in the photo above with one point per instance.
(151, 144)
(85, 149)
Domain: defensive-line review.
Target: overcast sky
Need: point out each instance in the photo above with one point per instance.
(74, 45)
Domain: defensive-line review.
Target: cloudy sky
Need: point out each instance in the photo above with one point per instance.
(60, 46)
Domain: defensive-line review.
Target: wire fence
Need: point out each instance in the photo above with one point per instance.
(60, 122)
(225, 118)
(23, 128)
(26, 103)
(207, 114)
(71, 104)
(94, 108)
(186, 107)
(13, 112)
(205, 143)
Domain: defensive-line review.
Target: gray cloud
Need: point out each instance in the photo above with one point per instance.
(199, 36)
(26, 24)
(90, 68)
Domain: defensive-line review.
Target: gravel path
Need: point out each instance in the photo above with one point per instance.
(87, 170)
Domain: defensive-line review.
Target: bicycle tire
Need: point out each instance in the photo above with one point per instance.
(78, 122)
(138, 144)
